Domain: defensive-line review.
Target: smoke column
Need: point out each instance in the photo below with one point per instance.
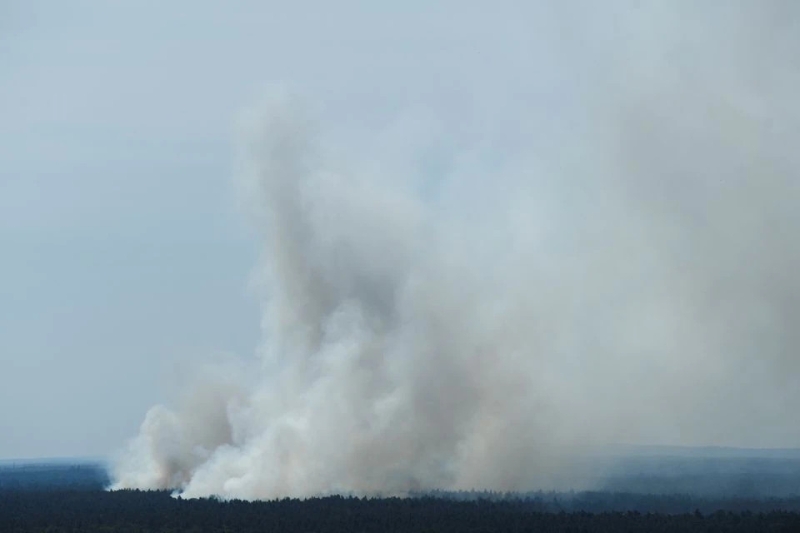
(628, 271)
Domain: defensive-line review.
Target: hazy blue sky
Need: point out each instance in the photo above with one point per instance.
(123, 252)
(125, 258)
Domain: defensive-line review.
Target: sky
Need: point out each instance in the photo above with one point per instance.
(124, 251)
(129, 252)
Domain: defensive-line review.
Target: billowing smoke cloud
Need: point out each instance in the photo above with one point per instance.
(628, 271)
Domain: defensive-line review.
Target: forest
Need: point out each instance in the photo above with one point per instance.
(58, 511)
(66, 498)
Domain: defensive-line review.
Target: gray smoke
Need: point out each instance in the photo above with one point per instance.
(629, 272)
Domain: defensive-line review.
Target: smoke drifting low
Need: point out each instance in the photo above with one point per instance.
(629, 272)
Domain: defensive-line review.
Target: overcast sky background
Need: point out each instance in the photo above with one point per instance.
(123, 252)
(125, 257)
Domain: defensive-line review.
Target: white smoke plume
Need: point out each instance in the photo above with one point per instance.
(629, 272)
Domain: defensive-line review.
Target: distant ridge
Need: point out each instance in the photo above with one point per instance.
(59, 461)
(721, 452)
(54, 473)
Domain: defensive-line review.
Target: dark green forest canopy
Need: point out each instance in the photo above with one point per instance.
(138, 511)
(69, 497)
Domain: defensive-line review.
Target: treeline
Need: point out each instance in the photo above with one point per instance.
(609, 501)
(138, 511)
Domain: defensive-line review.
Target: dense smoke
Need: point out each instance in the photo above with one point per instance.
(628, 271)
